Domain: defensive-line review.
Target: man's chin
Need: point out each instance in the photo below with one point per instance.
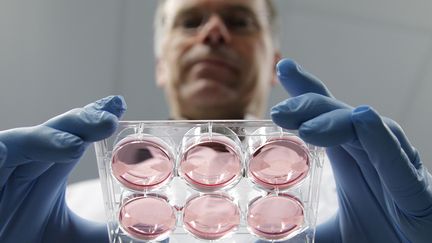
(215, 116)
(207, 98)
(208, 92)
(212, 102)
(209, 111)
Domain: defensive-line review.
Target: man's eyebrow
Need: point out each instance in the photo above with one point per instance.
(247, 11)
(231, 8)
(186, 10)
(240, 8)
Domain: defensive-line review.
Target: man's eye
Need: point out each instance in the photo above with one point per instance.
(239, 23)
(192, 22)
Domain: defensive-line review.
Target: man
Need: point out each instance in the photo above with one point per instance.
(216, 59)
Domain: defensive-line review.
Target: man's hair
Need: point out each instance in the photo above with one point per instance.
(159, 23)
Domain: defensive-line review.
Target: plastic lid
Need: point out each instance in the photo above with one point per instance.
(211, 216)
(211, 164)
(275, 217)
(279, 164)
(142, 164)
(147, 218)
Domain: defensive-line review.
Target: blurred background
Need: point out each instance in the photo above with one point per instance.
(56, 55)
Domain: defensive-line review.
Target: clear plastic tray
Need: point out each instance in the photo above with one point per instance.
(200, 181)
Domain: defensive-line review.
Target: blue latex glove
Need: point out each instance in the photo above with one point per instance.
(34, 166)
(384, 191)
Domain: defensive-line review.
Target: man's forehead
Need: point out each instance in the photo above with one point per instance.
(173, 7)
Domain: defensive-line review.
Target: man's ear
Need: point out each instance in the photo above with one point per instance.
(277, 57)
(160, 73)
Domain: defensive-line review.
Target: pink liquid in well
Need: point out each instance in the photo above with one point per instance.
(142, 164)
(211, 164)
(147, 218)
(211, 216)
(279, 164)
(275, 217)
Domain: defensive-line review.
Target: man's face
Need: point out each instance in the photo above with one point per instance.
(217, 58)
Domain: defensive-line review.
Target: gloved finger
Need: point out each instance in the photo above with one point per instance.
(94, 122)
(40, 144)
(329, 129)
(114, 104)
(357, 200)
(291, 113)
(407, 187)
(297, 81)
(3, 154)
(410, 151)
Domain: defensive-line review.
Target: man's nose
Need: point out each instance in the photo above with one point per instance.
(215, 32)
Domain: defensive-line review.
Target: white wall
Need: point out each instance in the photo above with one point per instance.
(56, 55)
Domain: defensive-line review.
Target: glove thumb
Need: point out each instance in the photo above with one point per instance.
(297, 81)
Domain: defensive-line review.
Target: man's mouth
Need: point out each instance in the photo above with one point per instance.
(214, 70)
(209, 89)
(211, 63)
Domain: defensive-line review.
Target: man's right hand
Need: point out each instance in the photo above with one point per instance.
(384, 190)
(34, 166)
